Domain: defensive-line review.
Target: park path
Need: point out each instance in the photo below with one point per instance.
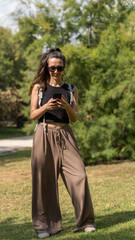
(14, 144)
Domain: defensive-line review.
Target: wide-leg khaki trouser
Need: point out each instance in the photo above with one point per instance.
(55, 151)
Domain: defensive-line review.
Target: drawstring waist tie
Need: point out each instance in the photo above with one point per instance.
(60, 133)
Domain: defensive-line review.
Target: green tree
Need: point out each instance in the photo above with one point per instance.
(106, 127)
(11, 61)
(124, 8)
(85, 20)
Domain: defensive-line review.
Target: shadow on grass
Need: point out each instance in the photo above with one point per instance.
(114, 219)
(10, 230)
(15, 157)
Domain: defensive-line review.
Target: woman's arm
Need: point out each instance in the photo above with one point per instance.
(35, 112)
(72, 111)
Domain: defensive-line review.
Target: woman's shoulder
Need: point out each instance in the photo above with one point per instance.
(75, 88)
(36, 87)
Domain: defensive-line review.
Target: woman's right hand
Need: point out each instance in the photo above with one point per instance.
(51, 104)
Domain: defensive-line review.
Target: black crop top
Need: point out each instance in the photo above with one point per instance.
(60, 114)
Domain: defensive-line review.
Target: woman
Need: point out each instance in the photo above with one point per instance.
(55, 150)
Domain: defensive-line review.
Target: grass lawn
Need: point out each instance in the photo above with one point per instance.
(7, 132)
(12, 131)
(112, 188)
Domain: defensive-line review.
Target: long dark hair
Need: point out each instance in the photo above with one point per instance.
(42, 76)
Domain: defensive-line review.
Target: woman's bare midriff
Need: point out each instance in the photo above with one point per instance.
(55, 124)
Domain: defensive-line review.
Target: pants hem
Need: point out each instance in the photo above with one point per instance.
(50, 231)
(77, 229)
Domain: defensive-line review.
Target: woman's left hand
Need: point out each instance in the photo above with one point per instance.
(62, 103)
(72, 111)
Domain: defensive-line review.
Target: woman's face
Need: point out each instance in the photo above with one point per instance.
(55, 67)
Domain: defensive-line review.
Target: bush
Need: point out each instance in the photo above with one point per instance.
(11, 106)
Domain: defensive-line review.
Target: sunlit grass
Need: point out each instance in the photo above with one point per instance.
(112, 189)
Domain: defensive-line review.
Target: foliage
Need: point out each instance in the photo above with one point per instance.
(107, 116)
(11, 107)
(11, 61)
(87, 19)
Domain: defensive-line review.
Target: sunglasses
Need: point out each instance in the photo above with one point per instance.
(59, 68)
